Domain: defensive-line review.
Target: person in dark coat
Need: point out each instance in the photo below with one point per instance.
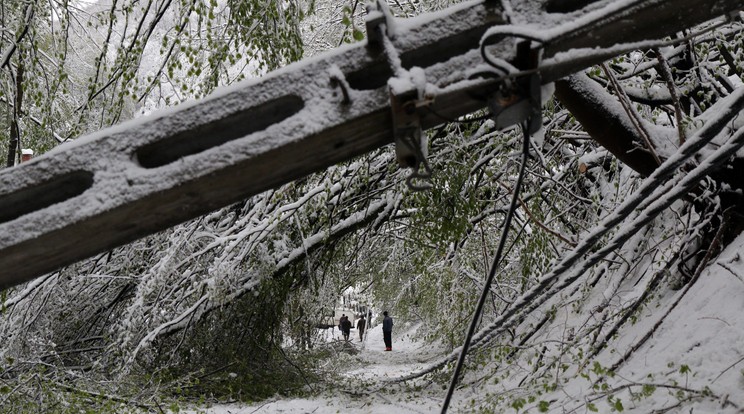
(346, 327)
(387, 331)
(361, 324)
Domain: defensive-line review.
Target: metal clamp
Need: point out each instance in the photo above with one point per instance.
(410, 145)
(410, 150)
(519, 100)
(377, 15)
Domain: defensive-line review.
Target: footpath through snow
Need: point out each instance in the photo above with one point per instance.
(366, 373)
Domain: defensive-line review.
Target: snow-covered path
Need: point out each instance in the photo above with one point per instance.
(366, 392)
(408, 355)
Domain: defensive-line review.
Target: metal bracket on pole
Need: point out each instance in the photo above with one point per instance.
(410, 149)
(377, 14)
(406, 127)
(518, 100)
(406, 92)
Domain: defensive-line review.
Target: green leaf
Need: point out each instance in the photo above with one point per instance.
(518, 404)
(358, 34)
(648, 389)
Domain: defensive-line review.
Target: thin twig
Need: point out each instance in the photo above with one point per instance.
(538, 222)
(633, 116)
(667, 75)
(728, 368)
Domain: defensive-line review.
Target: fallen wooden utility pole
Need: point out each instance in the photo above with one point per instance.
(131, 180)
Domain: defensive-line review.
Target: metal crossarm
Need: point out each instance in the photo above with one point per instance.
(143, 176)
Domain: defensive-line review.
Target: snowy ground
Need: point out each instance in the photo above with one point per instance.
(684, 353)
(369, 366)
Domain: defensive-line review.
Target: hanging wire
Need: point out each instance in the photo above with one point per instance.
(494, 266)
(504, 66)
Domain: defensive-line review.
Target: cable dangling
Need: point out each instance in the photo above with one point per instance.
(517, 101)
(525, 126)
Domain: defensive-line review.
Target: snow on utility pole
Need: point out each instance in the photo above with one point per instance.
(125, 182)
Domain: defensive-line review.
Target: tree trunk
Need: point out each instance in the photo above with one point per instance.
(610, 127)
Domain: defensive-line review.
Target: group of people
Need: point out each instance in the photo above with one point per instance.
(345, 324)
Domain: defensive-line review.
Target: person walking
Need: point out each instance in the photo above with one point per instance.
(387, 331)
(361, 324)
(346, 327)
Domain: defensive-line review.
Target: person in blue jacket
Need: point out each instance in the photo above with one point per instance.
(387, 331)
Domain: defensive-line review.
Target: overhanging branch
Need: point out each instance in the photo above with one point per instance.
(608, 124)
